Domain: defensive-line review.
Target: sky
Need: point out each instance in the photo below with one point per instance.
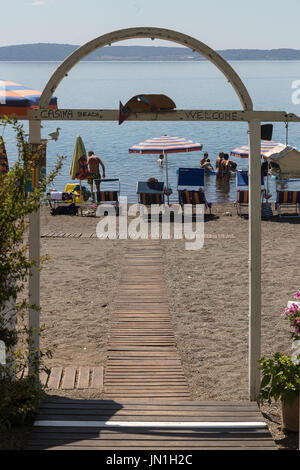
(221, 24)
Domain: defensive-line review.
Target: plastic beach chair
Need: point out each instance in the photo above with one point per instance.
(187, 180)
(110, 196)
(287, 199)
(150, 192)
(242, 184)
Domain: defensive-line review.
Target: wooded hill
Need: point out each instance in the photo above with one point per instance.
(58, 52)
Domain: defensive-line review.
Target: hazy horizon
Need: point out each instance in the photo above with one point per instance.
(271, 24)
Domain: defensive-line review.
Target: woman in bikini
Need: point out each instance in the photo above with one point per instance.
(219, 165)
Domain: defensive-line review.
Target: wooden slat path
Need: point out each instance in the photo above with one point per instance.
(71, 377)
(143, 360)
(146, 399)
(94, 235)
(68, 235)
(66, 424)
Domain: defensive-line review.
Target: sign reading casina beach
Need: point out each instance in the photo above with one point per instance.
(174, 115)
(111, 114)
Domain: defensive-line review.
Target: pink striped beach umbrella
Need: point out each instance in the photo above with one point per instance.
(266, 146)
(165, 145)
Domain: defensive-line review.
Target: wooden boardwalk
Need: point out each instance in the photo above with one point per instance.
(146, 403)
(143, 359)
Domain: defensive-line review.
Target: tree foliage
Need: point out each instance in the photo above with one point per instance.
(16, 204)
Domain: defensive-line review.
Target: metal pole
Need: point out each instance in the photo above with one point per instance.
(34, 255)
(167, 176)
(254, 257)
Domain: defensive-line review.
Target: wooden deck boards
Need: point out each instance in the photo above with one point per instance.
(71, 377)
(132, 425)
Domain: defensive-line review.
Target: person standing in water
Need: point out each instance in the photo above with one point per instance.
(219, 166)
(94, 164)
(160, 160)
(226, 166)
(207, 166)
(203, 160)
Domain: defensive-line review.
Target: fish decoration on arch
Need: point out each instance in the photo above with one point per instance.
(145, 104)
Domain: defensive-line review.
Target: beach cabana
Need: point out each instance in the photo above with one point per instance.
(17, 99)
(163, 146)
(284, 161)
(284, 164)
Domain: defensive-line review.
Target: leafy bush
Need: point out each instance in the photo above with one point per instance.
(19, 400)
(19, 394)
(281, 379)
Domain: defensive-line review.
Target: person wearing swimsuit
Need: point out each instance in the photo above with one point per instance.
(219, 165)
(227, 165)
(203, 160)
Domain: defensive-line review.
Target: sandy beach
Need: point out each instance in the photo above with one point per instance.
(207, 291)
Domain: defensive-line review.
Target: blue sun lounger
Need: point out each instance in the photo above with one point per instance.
(287, 198)
(150, 192)
(188, 179)
(242, 185)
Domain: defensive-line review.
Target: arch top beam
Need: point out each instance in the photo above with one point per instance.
(152, 33)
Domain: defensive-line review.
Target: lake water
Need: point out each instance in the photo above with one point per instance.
(197, 85)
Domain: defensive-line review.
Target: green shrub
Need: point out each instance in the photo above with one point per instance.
(19, 400)
(19, 395)
(280, 379)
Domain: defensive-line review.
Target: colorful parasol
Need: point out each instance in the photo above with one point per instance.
(16, 99)
(165, 145)
(266, 146)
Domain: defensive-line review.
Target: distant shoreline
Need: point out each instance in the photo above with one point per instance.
(142, 61)
(57, 61)
(58, 52)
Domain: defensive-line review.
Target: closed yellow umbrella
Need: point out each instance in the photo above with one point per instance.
(79, 166)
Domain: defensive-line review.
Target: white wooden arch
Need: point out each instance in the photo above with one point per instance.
(147, 32)
(247, 114)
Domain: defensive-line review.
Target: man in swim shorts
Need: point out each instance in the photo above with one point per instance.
(94, 163)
